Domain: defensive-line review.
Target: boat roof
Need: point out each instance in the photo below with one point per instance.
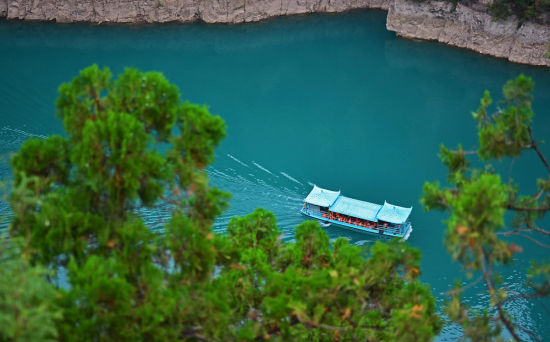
(393, 213)
(322, 197)
(356, 208)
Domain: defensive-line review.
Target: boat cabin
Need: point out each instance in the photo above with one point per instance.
(331, 207)
(320, 200)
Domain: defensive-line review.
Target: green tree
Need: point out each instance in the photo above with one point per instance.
(132, 143)
(311, 290)
(27, 301)
(478, 235)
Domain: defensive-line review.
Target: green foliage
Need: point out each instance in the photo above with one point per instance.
(434, 197)
(477, 202)
(132, 143)
(538, 277)
(523, 9)
(28, 311)
(506, 134)
(308, 290)
(455, 161)
(74, 199)
(478, 213)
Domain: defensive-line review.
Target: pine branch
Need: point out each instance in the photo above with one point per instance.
(518, 233)
(512, 207)
(528, 229)
(192, 332)
(528, 331)
(542, 292)
(465, 152)
(539, 230)
(486, 276)
(536, 147)
(464, 288)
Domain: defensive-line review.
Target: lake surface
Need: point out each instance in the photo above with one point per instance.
(332, 100)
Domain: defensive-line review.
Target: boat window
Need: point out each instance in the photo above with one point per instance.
(314, 207)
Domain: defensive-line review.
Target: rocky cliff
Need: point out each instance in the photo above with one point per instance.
(148, 11)
(467, 27)
(472, 28)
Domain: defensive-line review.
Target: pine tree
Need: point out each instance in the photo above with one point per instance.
(132, 143)
(478, 235)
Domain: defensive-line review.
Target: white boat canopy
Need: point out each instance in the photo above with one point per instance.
(321, 197)
(360, 209)
(394, 214)
(356, 208)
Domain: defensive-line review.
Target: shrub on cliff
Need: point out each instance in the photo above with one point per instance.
(524, 10)
(132, 143)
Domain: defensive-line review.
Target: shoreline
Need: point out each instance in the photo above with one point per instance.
(466, 27)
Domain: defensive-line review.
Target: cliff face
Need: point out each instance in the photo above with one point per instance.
(466, 27)
(148, 11)
(471, 28)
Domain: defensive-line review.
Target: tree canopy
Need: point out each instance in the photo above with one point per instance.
(478, 232)
(102, 274)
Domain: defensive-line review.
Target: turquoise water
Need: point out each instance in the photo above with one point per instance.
(332, 100)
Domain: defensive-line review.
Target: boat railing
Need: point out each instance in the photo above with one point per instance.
(399, 230)
(385, 228)
(391, 229)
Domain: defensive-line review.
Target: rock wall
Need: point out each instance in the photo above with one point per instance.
(471, 28)
(466, 27)
(149, 11)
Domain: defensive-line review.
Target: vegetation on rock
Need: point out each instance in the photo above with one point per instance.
(524, 10)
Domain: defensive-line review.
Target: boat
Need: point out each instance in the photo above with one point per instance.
(331, 208)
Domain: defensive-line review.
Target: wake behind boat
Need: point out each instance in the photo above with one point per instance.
(330, 207)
